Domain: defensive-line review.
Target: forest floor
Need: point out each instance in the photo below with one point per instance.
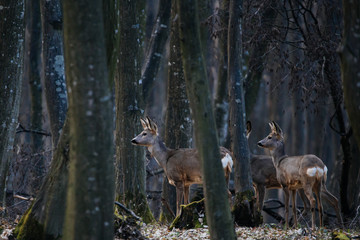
(266, 231)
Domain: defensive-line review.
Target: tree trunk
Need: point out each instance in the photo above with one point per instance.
(45, 217)
(154, 53)
(11, 62)
(177, 119)
(53, 66)
(221, 102)
(350, 53)
(257, 58)
(197, 86)
(130, 162)
(32, 78)
(244, 207)
(90, 192)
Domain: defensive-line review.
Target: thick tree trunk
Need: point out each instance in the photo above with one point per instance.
(90, 192)
(130, 160)
(350, 53)
(177, 119)
(217, 205)
(244, 207)
(11, 74)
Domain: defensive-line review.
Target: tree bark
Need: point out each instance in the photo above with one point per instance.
(11, 62)
(350, 53)
(221, 102)
(154, 53)
(244, 207)
(197, 86)
(44, 219)
(90, 191)
(130, 162)
(32, 72)
(53, 73)
(177, 119)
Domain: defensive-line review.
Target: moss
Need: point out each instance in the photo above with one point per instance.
(166, 217)
(190, 216)
(138, 206)
(29, 228)
(244, 210)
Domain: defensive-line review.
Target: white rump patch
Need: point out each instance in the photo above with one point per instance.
(227, 161)
(316, 171)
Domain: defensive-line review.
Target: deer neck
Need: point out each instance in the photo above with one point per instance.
(278, 154)
(160, 152)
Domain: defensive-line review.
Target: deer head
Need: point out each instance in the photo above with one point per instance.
(148, 136)
(275, 137)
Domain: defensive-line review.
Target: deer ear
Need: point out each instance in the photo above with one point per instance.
(272, 127)
(278, 129)
(248, 129)
(143, 123)
(152, 125)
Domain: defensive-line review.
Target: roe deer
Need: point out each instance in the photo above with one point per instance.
(305, 172)
(263, 173)
(181, 166)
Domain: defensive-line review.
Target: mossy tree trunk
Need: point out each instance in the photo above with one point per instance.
(44, 219)
(130, 160)
(177, 119)
(216, 199)
(90, 191)
(11, 74)
(244, 210)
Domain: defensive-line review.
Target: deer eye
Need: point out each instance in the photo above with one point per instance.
(269, 137)
(144, 134)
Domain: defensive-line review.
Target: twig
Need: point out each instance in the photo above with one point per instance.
(128, 211)
(164, 202)
(23, 198)
(20, 129)
(356, 216)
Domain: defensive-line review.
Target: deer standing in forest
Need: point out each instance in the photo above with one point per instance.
(263, 173)
(181, 166)
(305, 172)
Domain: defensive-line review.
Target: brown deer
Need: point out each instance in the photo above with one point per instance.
(181, 166)
(305, 172)
(263, 173)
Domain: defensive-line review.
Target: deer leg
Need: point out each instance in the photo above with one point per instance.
(260, 197)
(309, 195)
(293, 198)
(321, 213)
(333, 201)
(179, 195)
(186, 195)
(305, 202)
(287, 196)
